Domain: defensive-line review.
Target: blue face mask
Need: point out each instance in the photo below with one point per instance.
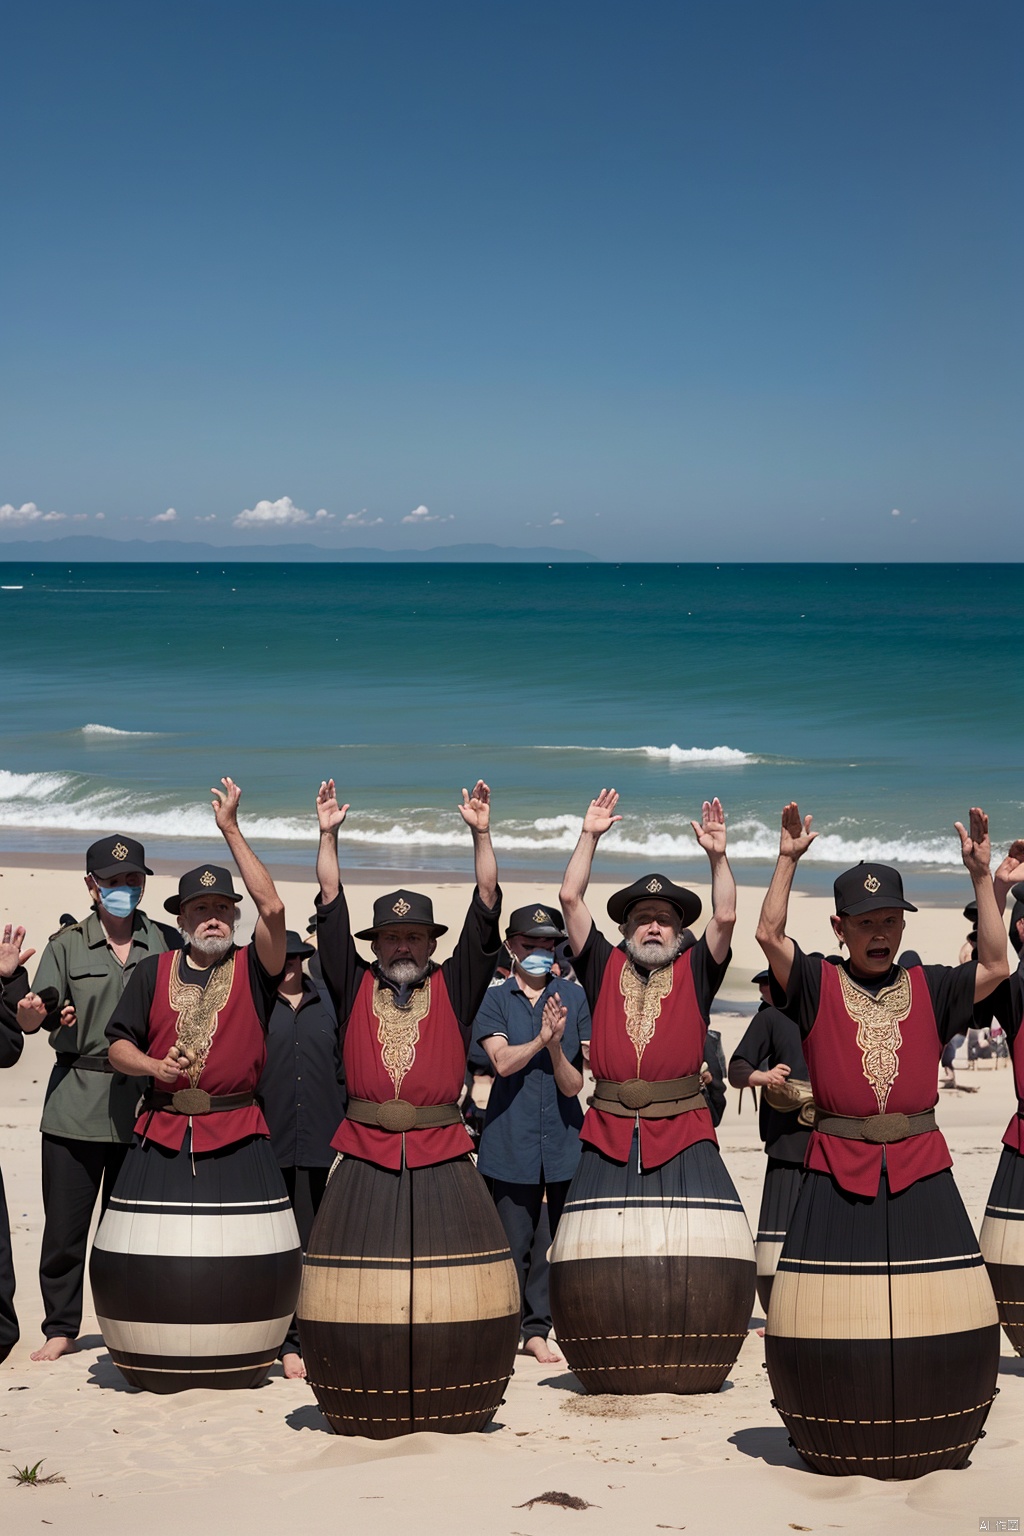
(538, 962)
(120, 900)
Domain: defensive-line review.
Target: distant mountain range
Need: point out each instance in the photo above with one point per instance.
(84, 547)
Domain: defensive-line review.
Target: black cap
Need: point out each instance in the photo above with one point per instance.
(971, 911)
(115, 855)
(536, 922)
(295, 945)
(311, 925)
(655, 888)
(761, 977)
(867, 887)
(403, 908)
(565, 956)
(1017, 914)
(207, 880)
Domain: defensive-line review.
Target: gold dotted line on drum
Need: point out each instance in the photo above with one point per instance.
(663, 1365)
(943, 1450)
(921, 1418)
(362, 1418)
(459, 1386)
(601, 1338)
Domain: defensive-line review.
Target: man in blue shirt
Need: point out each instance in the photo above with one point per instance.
(532, 1028)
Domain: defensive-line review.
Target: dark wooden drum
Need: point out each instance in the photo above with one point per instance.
(882, 1341)
(195, 1275)
(652, 1274)
(409, 1308)
(1002, 1244)
(779, 1193)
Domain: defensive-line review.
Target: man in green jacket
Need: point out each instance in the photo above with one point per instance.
(89, 1110)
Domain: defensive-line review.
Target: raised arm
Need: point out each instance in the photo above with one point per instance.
(475, 811)
(710, 833)
(976, 852)
(330, 816)
(599, 819)
(269, 936)
(1009, 872)
(795, 839)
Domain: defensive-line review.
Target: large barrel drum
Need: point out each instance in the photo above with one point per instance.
(882, 1341)
(1002, 1244)
(409, 1308)
(195, 1274)
(779, 1193)
(652, 1274)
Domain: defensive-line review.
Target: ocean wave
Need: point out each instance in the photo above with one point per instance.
(112, 730)
(670, 754)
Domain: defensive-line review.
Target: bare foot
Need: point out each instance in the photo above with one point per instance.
(294, 1366)
(55, 1347)
(541, 1350)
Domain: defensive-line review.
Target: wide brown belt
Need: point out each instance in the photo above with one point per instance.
(85, 1063)
(651, 1101)
(794, 1096)
(195, 1101)
(877, 1128)
(399, 1115)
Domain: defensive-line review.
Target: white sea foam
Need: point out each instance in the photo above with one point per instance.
(112, 730)
(671, 754)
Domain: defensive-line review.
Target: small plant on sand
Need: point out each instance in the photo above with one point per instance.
(28, 1477)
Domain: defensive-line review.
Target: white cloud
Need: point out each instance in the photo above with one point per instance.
(278, 514)
(28, 512)
(211, 517)
(557, 522)
(170, 516)
(420, 515)
(360, 520)
(101, 517)
(79, 517)
(895, 511)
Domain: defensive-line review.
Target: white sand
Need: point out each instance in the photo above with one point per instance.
(264, 1461)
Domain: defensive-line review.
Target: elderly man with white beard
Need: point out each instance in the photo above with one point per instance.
(652, 1268)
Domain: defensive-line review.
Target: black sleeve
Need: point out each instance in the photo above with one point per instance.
(707, 974)
(12, 990)
(804, 994)
(263, 985)
(590, 963)
(952, 993)
(130, 1019)
(714, 1091)
(753, 1048)
(340, 966)
(1003, 1007)
(468, 972)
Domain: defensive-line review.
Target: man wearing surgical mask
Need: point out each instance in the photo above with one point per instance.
(532, 1028)
(89, 1110)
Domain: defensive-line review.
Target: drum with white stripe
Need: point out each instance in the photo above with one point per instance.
(195, 1268)
(1002, 1243)
(782, 1181)
(882, 1341)
(652, 1274)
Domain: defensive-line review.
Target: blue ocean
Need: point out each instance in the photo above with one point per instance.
(885, 699)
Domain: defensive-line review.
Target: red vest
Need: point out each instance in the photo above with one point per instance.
(864, 1061)
(414, 1054)
(1015, 1130)
(234, 1061)
(655, 1032)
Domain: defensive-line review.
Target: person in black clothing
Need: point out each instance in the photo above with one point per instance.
(303, 1098)
(13, 986)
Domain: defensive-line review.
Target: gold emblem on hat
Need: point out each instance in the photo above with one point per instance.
(401, 907)
(872, 884)
(119, 852)
(207, 878)
(654, 886)
(540, 916)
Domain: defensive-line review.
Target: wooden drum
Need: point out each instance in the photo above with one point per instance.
(409, 1309)
(1002, 1243)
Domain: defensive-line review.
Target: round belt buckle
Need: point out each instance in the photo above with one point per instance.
(883, 1128)
(191, 1101)
(396, 1115)
(636, 1093)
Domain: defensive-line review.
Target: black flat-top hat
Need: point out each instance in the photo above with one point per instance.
(761, 978)
(295, 945)
(971, 911)
(867, 887)
(115, 855)
(536, 922)
(655, 888)
(207, 880)
(406, 908)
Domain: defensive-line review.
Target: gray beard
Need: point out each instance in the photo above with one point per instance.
(212, 951)
(403, 973)
(653, 956)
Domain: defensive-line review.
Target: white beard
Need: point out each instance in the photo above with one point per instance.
(653, 956)
(212, 950)
(403, 972)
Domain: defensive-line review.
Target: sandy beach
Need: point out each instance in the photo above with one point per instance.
(264, 1460)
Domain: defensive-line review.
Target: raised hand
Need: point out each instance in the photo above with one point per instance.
(329, 813)
(975, 847)
(552, 1020)
(475, 809)
(12, 956)
(796, 835)
(710, 830)
(225, 804)
(600, 815)
(1012, 868)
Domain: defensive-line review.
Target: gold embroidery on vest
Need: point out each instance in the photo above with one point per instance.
(643, 1002)
(878, 1021)
(197, 1009)
(398, 1029)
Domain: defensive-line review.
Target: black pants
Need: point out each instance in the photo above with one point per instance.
(305, 1188)
(74, 1173)
(522, 1209)
(9, 1333)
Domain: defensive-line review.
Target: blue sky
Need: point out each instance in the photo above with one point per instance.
(717, 280)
